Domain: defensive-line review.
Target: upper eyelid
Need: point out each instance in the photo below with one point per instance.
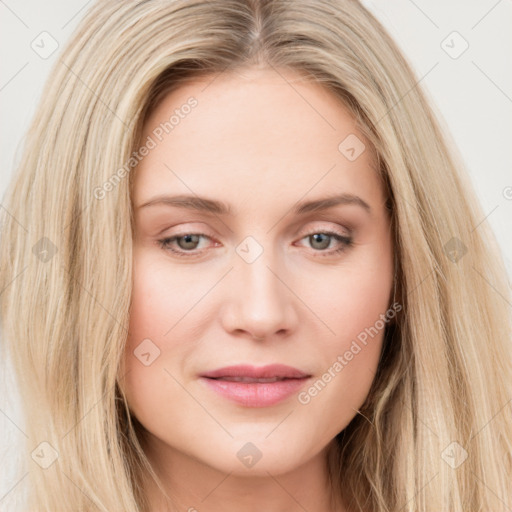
(199, 231)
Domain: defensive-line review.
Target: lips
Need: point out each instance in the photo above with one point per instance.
(255, 387)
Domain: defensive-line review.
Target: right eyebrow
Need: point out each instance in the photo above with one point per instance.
(191, 203)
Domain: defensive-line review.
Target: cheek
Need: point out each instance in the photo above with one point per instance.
(351, 298)
(356, 307)
(161, 297)
(151, 299)
(152, 314)
(161, 334)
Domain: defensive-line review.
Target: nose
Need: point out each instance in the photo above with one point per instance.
(261, 303)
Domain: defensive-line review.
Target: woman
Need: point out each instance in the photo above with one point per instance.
(259, 367)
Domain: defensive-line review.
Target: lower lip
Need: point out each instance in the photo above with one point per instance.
(256, 394)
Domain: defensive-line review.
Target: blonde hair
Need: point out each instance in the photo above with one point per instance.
(66, 272)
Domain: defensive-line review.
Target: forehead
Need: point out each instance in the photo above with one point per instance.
(256, 130)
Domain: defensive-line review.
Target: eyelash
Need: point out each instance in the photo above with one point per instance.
(345, 241)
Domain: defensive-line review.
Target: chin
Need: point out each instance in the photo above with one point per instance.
(254, 458)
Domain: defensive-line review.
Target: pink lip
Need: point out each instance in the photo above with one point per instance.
(255, 394)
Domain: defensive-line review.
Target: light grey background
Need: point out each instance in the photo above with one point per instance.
(472, 95)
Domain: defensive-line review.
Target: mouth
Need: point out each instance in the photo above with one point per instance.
(271, 371)
(255, 387)
(249, 379)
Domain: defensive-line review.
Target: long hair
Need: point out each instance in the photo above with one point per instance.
(434, 433)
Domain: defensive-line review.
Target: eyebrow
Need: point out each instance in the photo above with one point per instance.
(220, 208)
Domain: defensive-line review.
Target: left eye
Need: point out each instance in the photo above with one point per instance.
(318, 241)
(321, 240)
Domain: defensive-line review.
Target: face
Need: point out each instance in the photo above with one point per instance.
(260, 271)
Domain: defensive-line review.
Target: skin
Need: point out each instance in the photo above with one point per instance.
(259, 145)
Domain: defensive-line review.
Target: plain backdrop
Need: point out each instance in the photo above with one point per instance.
(460, 50)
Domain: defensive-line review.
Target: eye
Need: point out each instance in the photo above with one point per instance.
(187, 243)
(321, 240)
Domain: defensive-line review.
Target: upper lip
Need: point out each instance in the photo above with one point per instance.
(261, 372)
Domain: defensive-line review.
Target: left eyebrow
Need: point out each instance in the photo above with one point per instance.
(329, 202)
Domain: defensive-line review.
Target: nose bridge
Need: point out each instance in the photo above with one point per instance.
(263, 303)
